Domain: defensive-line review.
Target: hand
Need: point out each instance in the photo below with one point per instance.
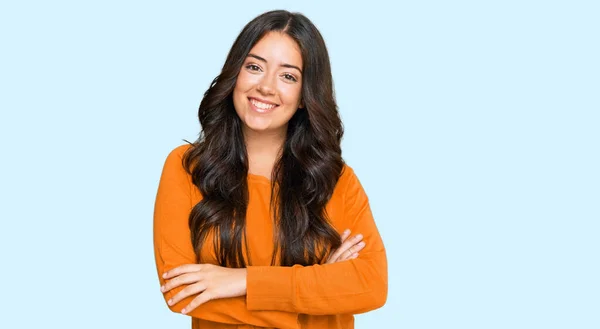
(207, 280)
(349, 248)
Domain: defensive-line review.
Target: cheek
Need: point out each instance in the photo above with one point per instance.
(291, 93)
(244, 81)
(239, 92)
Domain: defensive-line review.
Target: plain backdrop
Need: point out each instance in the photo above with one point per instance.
(473, 126)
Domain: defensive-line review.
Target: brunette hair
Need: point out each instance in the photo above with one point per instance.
(304, 175)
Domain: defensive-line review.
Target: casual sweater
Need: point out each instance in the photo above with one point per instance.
(316, 296)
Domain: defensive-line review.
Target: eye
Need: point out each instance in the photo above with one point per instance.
(290, 77)
(253, 67)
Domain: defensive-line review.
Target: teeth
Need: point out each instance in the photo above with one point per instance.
(262, 105)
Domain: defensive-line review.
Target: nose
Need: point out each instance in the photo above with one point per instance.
(265, 85)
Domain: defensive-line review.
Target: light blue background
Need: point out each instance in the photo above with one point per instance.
(474, 127)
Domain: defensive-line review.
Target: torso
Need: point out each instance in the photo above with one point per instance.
(259, 221)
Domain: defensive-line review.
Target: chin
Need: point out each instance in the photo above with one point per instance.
(257, 123)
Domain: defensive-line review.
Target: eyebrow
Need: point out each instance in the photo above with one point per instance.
(283, 65)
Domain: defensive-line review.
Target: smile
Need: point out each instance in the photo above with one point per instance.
(261, 107)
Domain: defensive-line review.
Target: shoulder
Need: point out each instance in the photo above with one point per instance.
(179, 151)
(173, 164)
(347, 173)
(347, 178)
(348, 183)
(175, 156)
(348, 199)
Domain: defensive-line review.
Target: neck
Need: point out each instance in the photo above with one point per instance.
(263, 150)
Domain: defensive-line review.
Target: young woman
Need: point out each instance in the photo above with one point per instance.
(252, 221)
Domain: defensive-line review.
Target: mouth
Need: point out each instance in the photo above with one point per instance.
(261, 106)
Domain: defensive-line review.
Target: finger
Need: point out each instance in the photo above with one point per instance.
(343, 238)
(186, 292)
(346, 245)
(201, 299)
(330, 259)
(181, 270)
(351, 251)
(182, 279)
(339, 251)
(345, 235)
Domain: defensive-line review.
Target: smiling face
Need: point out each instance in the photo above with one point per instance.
(268, 88)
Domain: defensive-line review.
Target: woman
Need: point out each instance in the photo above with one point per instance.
(246, 219)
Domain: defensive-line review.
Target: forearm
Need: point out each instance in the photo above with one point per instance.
(224, 310)
(353, 286)
(234, 311)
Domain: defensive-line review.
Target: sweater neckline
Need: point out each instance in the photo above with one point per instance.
(259, 178)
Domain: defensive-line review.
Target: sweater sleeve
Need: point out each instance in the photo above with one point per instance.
(353, 286)
(173, 247)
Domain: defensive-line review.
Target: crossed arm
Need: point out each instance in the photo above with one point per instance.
(267, 296)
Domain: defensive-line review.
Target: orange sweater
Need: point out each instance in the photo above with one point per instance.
(317, 296)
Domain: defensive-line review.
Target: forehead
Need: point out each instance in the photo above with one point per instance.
(278, 48)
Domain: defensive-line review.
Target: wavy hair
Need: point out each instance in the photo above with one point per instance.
(304, 175)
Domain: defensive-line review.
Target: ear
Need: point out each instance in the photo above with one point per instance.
(301, 105)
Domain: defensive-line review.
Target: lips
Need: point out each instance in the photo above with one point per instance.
(261, 106)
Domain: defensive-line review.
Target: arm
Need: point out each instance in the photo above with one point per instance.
(173, 247)
(353, 286)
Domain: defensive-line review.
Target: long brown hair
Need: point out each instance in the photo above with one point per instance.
(303, 178)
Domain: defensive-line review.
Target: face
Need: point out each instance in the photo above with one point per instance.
(268, 88)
